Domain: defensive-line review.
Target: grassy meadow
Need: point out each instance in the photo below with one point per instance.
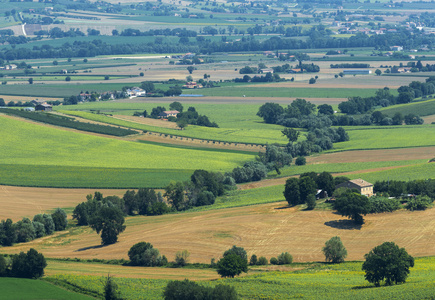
(421, 108)
(307, 281)
(31, 146)
(18, 289)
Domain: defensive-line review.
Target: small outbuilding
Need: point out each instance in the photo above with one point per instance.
(365, 188)
(43, 107)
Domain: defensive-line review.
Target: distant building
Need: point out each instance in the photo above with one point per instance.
(396, 48)
(169, 113)
(268, 70)
(136, 92)
(43, 107)
(365, 188)
(192, 85)
(357, 72)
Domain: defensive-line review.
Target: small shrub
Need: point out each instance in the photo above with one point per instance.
(273, 261)
(285, 258)
(181, 258)
(253, 261)
(300, 161)
(262, 261)
(419, 203)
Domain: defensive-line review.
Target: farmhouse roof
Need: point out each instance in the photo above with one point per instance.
(361, 182)
(168, 112)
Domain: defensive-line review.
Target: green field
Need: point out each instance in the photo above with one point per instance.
(19, 289)
(25, 145)
(344, 167)
(58, 90)
(258, 91)
(422, 108)
(365, 138)
(419, 171)
(313, 281)
(245, 127)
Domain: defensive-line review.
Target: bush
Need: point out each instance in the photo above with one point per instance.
(30, 265)
(273, 261)
(418, 203)
(232, 265)
(334, 250)
(285, 258)
(143, 254)
(300, 161)
(383, 204)
(59, 219)
(181, 258)
(262, 261)
(311, 202)
(237, 251)
(253, 261)
(186, 290)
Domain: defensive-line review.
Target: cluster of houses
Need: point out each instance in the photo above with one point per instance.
(9, 67)
(192, 85)
(136, 92)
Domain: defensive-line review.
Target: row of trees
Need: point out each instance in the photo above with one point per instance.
(316, 39)
(397, 188)
(383, 97)
(23, 265)
(26, 230)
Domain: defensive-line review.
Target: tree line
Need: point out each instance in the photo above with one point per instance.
(26, 230)
(383, 97)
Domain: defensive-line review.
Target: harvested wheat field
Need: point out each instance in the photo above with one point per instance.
(18, 202)
(264, 230)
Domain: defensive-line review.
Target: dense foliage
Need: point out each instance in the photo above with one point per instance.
(187, 290)
(27, 265)
(334, 250)
(387, 262)
(27, 230)
(353, 205)
(144, 254)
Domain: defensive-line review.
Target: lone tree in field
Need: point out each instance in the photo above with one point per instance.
(387, 262)
(110, 222)
(111, 289)
(352, 205)
(334, 250)
(232, 265)
(190, 69)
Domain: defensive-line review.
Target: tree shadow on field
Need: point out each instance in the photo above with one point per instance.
(361, 287)
(90, 247)
(282, 207)
(343, 224)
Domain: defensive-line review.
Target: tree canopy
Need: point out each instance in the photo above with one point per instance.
(353, 205)
(334, 250)
(387, 262)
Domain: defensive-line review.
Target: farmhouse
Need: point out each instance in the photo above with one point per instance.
(43, 107)
(192, 85)
(169, 113)
(267, 70)
(364, 187)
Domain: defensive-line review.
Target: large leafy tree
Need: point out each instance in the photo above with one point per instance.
(28, 265)
(352, 205)
(387, 262)
(270, 112)
(334, 250)
(232, 265)
(291, 191)
(110, 222)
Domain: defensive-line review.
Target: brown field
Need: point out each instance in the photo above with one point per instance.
(8, 98)
(19, 202)
(96, 269)
(265, 230)
(429, 119)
